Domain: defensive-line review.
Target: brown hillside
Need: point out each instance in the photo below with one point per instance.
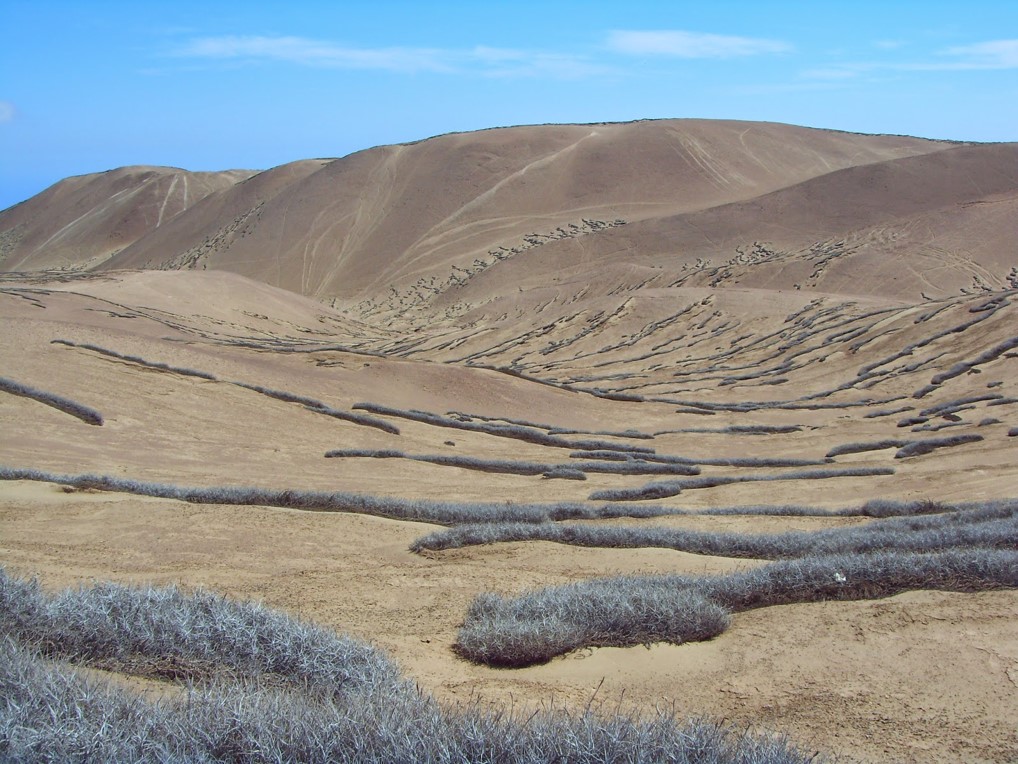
(935, 225)
(397, 215)
(81, 222)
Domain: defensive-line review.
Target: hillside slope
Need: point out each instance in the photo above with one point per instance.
(83, 221)
(397, 216)
(936, 225)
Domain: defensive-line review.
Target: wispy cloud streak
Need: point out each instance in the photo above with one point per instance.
(982, 56)
(676, 43)
(301, 50)
(489, 61)
(994, 54)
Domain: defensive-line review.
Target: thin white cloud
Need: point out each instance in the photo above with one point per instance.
(994, 54)
(481, 60)
(785, 87)
(833, 73)
(509, 62)
(301, 50)
(6, 112)
(983, 56)
(677, 43)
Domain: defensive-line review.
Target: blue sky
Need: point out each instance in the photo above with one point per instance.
(88, 86)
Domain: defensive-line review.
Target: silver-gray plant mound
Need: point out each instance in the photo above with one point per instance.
(630, 610)
(273, 689)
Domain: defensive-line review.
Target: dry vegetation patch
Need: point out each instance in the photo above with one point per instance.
(86, 414)
(271, 688)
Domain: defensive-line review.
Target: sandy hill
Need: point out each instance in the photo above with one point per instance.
(396, 214)
(417, 216)
(930, 225)
(581, 315)
(81, 222)
(701, 202)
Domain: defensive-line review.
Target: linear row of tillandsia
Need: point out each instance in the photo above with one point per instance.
(85, 413)
(919, 526)
(669, 488)
(909, 447)
(394, 507)
(310, 404)
(624, 611)
(517, 467)
(503, 430)
(918, 545)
